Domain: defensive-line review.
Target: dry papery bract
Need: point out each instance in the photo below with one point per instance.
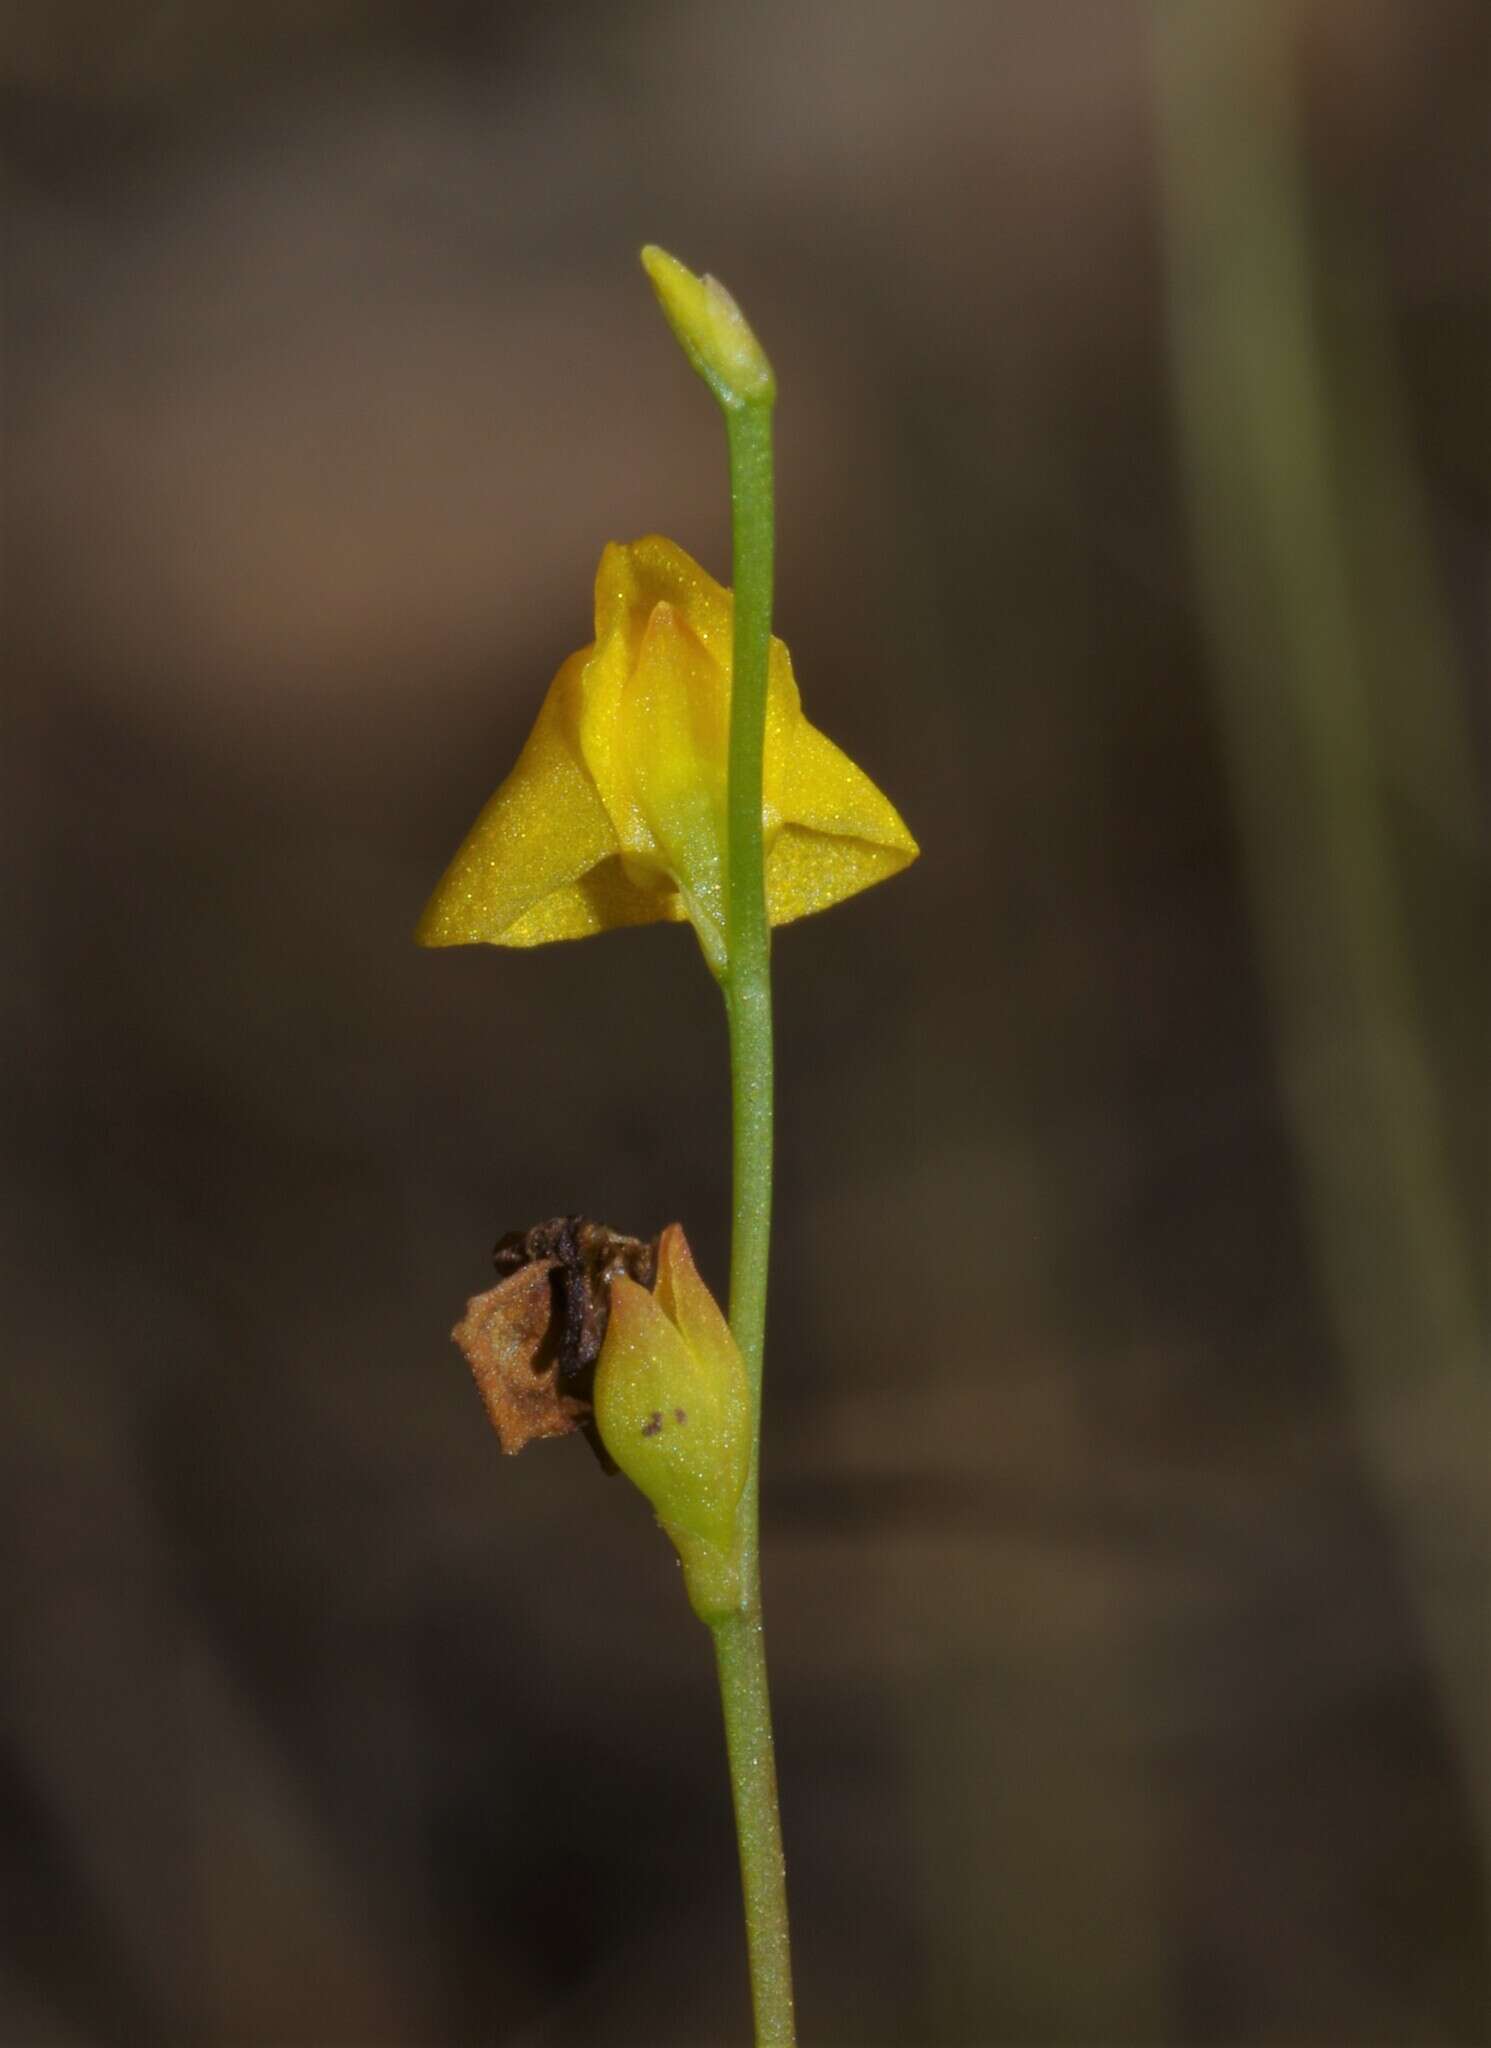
(533, 1339)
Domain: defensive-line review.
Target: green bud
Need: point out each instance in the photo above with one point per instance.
(713, 332)
(673, 1408)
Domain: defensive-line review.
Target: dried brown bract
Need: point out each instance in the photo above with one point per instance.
(533, 1339)
(588, 1257)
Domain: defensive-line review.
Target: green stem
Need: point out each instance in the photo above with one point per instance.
(740, 1648)
(747, 976)
(740, 1657)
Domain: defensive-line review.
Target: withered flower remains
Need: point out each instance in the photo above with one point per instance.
(533, 1340)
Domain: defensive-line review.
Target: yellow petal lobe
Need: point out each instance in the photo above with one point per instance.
(518, 878)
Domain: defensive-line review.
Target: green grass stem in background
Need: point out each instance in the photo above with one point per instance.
(1289, 632)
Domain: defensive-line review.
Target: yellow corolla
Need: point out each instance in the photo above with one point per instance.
(615, 811)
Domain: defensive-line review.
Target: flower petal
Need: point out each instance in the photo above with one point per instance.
(677, 713)
(633, 578)
(539, 864)
(513, 879)
(654, 730)
(837, 832)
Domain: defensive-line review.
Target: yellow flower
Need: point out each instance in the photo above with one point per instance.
(615, 811)
(673, 1408)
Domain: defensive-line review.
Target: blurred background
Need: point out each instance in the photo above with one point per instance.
(1126, 1436)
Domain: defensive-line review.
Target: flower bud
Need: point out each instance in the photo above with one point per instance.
(673, 1408)
(712, 331)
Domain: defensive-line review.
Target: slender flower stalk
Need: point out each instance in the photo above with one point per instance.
(721, 347)
(673, 776)
(740, 1646)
